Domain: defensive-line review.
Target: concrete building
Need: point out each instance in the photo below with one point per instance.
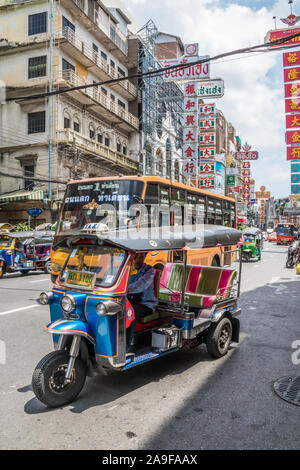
(82, 133)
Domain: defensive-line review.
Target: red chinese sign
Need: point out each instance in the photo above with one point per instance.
(207, 182)
(191, 120)
(293, 153)
(291, 59)
(281, 34)
(292, 74)
(292, 90)
(246, 164)
(207, 152)
(189, 168)
(207, 137)
(207, 167)
(292, 120)
(292, 105)
(293, 137)
(207, 109)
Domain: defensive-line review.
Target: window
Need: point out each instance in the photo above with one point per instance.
(120, 103)
(112, 64)
(67, 66)
(121, 72)
(28, 172)
(112, 97)
(67, 24)
(106, 141)
(37, 67)
(36, 122)
(67, 122)
(99, 138)
(103, 55)
(95, 48)
(37, 23)
(118, 147)
(92, 132)
(124, 150)
(76, 125)
(104, 91)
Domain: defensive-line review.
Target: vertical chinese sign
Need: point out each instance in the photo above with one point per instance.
(207, 145)
(291, 73)
(190, 131)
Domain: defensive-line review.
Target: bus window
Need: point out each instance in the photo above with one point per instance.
(219, 213)
(201, 212)
(164, 206)
(226, 213)
(211, 214)
(177, 203)
(232, 215)
(150, 201)
(190, 209)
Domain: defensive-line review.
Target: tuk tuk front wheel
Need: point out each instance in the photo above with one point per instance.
(219, 338)
(2, 270)
(48, 379)
(47, 267)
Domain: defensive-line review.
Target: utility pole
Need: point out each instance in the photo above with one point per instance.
(50, 143)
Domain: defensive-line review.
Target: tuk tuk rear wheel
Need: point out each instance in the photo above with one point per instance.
(48, 379)
(219, 338)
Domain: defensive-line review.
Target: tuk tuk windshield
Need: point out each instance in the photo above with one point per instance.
(5, 242)
(249, 238)
(89, 265)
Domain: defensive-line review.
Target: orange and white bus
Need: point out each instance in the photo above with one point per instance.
(147, 201)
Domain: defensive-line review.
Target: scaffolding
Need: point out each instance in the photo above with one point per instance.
(158, 99)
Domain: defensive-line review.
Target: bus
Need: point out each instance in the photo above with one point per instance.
(143, 201)
(285, 233)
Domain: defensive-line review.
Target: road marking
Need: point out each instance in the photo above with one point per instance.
(39, 280)
(19, 309)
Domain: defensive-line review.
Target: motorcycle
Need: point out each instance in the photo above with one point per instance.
(293, 255)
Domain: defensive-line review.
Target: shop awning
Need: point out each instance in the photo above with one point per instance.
(23, 196)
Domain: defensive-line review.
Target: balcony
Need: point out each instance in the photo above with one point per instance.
(72, 44)
(106, 32)
(113, 160)
(97, 101)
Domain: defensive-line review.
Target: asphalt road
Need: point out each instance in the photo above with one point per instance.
(183, 401)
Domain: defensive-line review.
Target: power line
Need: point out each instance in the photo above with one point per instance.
(31, 178)
(161, 70)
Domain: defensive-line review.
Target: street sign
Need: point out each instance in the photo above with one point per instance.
(34, 212)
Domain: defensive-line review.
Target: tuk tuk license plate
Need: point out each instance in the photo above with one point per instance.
(28, 264)
(82, 279)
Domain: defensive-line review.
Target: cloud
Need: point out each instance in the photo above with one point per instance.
(253, 100)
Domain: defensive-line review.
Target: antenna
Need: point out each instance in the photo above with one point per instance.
(274, 18)
(291, 4)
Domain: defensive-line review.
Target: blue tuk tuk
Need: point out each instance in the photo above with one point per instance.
(25, 251)
(91, 310)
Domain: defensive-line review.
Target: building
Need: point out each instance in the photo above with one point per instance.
(159, 105)
(87, 132)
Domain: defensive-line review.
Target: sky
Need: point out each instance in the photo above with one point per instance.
(254, 93)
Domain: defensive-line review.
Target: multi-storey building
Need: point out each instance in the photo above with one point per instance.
(61, 45)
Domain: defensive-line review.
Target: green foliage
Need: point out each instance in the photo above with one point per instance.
(23, 227)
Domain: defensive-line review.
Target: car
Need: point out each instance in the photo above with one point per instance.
(272, 237)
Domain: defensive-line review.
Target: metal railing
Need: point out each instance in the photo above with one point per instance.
(95, 57)
(72, 78)
(68, 135)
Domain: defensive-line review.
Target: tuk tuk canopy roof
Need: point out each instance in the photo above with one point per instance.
(252, 231)
(163, 238)
(37, 234)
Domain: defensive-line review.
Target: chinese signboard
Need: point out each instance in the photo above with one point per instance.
(207, 167)
(207, 109)
(262, 194)
(190, 72)
(281, 34)
(207, 182)
(230, 180)
(246, 155)
(189, 168)
(291, 59)
(211, 89)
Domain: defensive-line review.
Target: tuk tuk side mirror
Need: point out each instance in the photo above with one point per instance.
(108, 307)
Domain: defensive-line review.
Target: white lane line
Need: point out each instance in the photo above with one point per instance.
(19, 309)
(39, 280)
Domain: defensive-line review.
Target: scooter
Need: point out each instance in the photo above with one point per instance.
(293, 254)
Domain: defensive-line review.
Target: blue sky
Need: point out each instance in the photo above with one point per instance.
(254, 92)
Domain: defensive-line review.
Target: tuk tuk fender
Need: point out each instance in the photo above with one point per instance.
(218, 315)
(74, 328)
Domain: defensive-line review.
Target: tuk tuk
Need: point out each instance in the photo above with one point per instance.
(252, 244)
(91, 310)
(25, 251)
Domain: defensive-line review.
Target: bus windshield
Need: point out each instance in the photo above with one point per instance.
(92, 202)
(285, 230)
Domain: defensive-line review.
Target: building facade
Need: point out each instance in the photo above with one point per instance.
(85, 132)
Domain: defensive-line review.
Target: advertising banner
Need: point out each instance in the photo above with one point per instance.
(293, 153)
(276, 34)
(211, 89)
(292, 121)
(192, 72)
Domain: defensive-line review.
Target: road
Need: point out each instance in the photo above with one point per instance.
(183, 401)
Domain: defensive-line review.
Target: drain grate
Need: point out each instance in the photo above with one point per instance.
(288, 388)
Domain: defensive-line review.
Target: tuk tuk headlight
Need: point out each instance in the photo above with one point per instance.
(46, 298)
(108, 307)
(68, 303)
